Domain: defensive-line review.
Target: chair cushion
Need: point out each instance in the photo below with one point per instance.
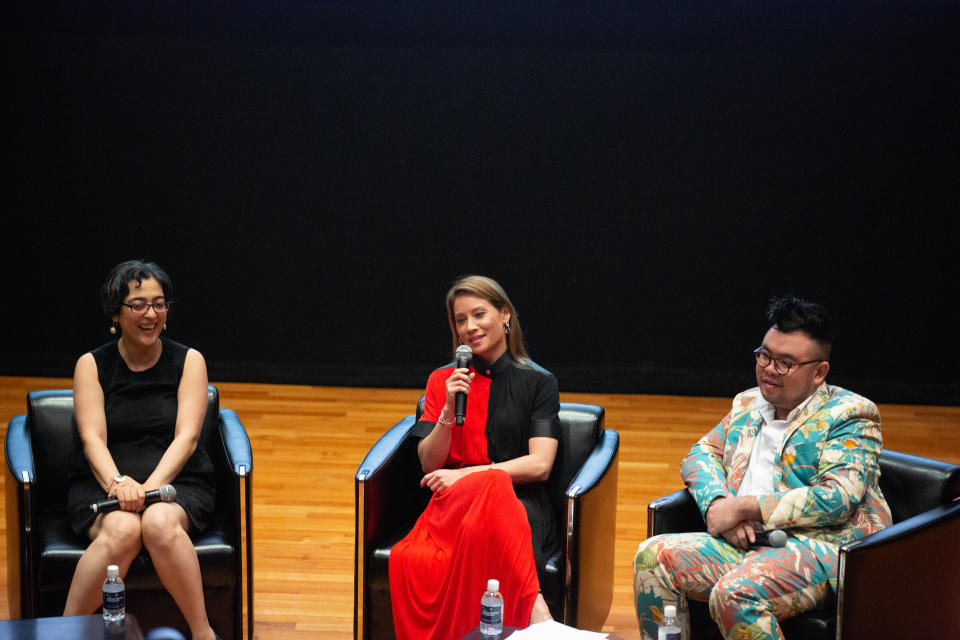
(819, 624)
(61, 549)
(702, 625)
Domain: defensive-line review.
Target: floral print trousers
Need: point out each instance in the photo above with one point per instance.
(748, 591)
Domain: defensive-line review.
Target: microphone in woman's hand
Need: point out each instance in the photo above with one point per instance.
(464, 355)
(166, 493)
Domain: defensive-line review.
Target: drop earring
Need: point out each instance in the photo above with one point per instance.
(506, 328)
(113, 329)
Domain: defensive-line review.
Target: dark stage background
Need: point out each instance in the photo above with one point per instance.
(641, 177)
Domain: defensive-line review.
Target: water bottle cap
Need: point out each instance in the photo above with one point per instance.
(493, 585)
(669, 611)
(113, 571)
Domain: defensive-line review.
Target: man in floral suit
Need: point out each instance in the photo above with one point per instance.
(794, 454)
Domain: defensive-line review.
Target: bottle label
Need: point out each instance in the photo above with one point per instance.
(669, 634)
(491, 615)
(113, 601)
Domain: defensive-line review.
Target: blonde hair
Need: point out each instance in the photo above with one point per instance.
(491, 291)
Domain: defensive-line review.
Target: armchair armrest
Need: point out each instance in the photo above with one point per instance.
(19, 450)
(236, 443)
(913, 565)
(386, 501)
(387, 492)
(239, 456)
(383, 449)
(595, 469)
(590, 530)
(21, 514)
(674, 513)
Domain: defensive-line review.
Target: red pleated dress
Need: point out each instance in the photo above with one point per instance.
(473, 531)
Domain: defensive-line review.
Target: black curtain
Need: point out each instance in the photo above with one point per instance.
(641, 177)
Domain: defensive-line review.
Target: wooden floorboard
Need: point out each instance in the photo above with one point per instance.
(308, 441)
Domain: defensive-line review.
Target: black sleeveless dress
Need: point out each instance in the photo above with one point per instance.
(141, 411)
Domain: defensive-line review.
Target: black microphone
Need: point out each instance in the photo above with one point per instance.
(772, 538)
(166, 493)
(464, 354)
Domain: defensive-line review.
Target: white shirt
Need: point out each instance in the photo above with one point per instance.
(758, 480)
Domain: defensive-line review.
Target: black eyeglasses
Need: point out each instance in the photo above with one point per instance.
(141, 306)
(782, 366)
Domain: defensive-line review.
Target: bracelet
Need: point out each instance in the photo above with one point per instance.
(440, 420)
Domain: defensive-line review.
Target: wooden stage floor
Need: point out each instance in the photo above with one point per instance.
(308, 442)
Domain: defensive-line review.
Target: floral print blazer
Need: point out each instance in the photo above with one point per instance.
(825, 481)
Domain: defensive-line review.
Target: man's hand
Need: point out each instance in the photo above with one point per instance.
(726, 513)
(742, 535)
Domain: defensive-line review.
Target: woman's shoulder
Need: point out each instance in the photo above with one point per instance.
(177, 351)
(174, 346)
(529, 374)
(86, 366)
(442, 372)
(103, 354)
(106, 349)
(526, 364)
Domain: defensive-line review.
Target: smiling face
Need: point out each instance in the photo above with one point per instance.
(141, 330)
(480, 326)
(786, 391)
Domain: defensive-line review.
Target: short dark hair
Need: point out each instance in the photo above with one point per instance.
(117, 285)
(789, 313)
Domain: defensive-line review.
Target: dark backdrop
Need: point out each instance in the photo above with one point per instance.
(641, 177)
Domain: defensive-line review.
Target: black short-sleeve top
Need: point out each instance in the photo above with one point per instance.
(509, 403)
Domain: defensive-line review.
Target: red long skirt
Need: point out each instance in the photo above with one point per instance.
(473, 531)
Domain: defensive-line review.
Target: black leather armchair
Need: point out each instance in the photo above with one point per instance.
(42, 550)
(902, 582)
(583, 487)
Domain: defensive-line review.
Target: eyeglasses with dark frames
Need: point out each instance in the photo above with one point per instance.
(141, 306)
(783, 367)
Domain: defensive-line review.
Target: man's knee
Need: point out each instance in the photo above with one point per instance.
(658, 552)
(646, 556)
(735, 598)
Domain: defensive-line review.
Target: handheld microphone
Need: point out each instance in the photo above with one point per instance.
(166, 493)
(464, 354)
(772, 538)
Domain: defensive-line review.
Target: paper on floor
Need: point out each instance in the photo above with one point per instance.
(553, 630)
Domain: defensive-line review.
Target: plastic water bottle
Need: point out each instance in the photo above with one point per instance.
(491, 610)
(114, 596)
(669, 628)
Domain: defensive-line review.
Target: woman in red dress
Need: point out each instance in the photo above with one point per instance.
(490, 515)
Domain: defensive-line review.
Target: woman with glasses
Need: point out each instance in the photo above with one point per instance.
(140, 402)
(490, 515)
